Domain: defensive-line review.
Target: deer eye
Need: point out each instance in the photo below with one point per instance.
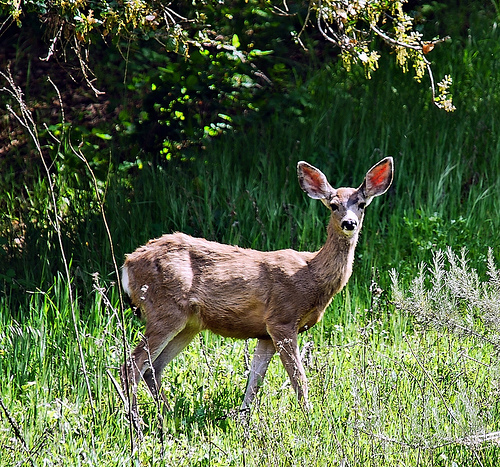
(334, 207)
(361, 205)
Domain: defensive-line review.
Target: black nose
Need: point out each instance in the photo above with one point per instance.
(349, 225)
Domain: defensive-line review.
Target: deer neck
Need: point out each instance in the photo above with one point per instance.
(332, 265)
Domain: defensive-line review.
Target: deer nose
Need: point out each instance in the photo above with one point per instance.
(349, 225)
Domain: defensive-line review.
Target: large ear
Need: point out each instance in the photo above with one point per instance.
(378, 179)
(314, 182)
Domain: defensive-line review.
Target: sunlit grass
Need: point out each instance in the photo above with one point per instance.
(380, 396)
(385, 392)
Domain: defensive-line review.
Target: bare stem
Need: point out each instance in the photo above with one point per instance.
(25, 119)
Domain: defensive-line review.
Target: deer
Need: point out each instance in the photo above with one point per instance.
(183, 285)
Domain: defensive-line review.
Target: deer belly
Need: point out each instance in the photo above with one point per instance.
(239, 322)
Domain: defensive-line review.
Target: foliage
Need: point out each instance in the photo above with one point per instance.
(452, 296)
(350, 25)
(339, 22)
(196, 71)
(220, 87)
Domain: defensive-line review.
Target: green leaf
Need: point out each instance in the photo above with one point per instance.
(104, 136)
(260, 53)
(191, 81)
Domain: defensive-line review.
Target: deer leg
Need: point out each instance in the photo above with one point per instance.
(152, 376)
(288, 350)
(156, 338)
(261, 358)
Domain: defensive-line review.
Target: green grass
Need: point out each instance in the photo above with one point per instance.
(380, 396)
(385, 391)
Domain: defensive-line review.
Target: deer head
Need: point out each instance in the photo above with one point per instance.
(347, 205)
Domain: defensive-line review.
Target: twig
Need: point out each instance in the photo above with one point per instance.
(429, 377)
(128, 405)
(118, 388)
(323, 33)
(17, 431)
(394, 42)
(25, 119)
(63, 255)
(6, 24)
(85, 68)
(53, 43)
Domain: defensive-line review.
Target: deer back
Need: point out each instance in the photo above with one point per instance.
(234, 291)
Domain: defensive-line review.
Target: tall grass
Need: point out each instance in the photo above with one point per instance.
(385, 392)
(380, 397)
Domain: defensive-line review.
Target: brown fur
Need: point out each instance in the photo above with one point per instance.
(184, 285)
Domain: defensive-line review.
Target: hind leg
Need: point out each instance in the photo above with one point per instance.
(152, 376)
(285, 342)
(157, 336)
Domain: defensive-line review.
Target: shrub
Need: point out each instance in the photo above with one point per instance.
(450, 295)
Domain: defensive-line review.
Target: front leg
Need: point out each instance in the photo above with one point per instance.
(261, 358)
(287, 347)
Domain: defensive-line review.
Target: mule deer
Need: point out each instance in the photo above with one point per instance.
(184, 285)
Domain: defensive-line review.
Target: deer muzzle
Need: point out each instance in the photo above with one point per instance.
(349, 224)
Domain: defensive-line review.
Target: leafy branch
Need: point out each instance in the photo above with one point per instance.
(352, 25)
(349, 24)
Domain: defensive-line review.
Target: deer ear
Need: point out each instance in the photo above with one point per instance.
(378, 179)
(314, 182)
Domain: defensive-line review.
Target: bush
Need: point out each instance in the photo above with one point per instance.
(450, 295)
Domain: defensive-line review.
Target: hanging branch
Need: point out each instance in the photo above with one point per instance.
(422, 49)
(339, 22)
